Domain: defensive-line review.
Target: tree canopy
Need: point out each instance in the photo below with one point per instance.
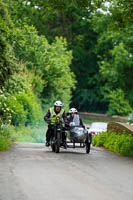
(80, 52)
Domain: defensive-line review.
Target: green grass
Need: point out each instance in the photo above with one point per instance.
(87, 121)
(31, 134)
(10, 134)
(122, 144)
(5, 143)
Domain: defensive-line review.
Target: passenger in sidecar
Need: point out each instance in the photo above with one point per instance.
(78, 133)
(74, 119)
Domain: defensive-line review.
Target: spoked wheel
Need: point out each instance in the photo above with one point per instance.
(88, 146)
(52, 143)
(57, 144)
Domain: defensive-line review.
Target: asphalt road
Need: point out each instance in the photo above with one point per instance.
(32, 172)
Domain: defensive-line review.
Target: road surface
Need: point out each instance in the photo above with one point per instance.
(32, 172)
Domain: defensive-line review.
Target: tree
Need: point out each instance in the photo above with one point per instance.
(115, 60)
(7, 60)
(48, 62)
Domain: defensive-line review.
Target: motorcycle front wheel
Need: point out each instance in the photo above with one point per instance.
(57, 144)
(53, 147)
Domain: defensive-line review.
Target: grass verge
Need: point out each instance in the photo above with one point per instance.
(6, 137)
(30, 134)
(10, 134)
(122, 144)
(88, 121)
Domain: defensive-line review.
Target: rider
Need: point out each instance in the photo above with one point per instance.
(56, 111)
(72, 113)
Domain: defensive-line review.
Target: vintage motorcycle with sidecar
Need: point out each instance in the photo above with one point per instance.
(77, 136)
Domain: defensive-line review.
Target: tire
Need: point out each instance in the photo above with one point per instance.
(57, 149)
(53, 147)
(52, 144)
(57, 145)
(88, 146)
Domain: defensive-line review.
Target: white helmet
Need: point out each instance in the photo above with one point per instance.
(58, 103)
(73, 110)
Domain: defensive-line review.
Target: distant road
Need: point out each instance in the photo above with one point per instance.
(32, 172)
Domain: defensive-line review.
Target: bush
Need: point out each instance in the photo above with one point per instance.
(7, 136)
(18, 103)
(31, 107)
(122, 144)
(99, 140)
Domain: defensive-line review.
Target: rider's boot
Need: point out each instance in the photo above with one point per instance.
(47, 143)
(65, 145)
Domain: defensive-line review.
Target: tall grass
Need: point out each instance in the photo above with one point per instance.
(10, 134)
(31, 134)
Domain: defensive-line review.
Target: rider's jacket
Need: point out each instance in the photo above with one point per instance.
(51, 115)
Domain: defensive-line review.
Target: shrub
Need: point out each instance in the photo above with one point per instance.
(7, 136)
(31, 107)
(99, 140)
(18, 103)
(122, 144)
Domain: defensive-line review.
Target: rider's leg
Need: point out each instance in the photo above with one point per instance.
(48, 136)
(64, 138)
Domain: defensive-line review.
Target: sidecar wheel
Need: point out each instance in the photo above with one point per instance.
(88, 145)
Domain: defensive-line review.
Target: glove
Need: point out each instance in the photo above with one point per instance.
(66, 123)
(48, 121)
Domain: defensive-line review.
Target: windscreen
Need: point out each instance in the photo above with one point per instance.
(76, 120)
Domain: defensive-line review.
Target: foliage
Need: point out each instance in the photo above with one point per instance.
(46, 45)
(7, 59)
(19, 106)
(6, 137)
(99, 33)
(89, 121)
(9, 134)
(122, 144)
(115, 63)
(30, 134)
(73, 23)
(118, 105)
(50, 64)
(31, 68)
(99, 139)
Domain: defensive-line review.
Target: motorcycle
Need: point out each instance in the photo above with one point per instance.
(56, 140)
(78, 136)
